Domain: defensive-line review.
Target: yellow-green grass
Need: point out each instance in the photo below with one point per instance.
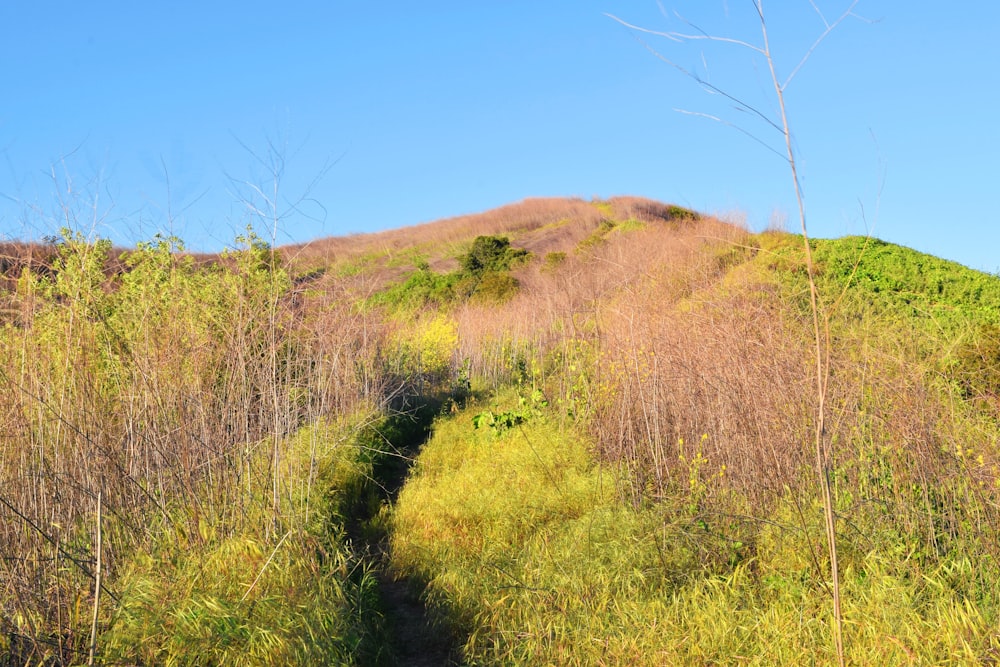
(527, 550)
(282, 591)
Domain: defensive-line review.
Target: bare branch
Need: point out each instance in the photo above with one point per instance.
(682, 37)
(688, 73)
(735, 127)
(822, 18)
(829, 29)
(821, 333)
(705, 35)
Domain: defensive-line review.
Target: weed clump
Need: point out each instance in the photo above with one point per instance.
(167, 388)
(682, 214)
(554, 260)
(250, 597)
(977, 364)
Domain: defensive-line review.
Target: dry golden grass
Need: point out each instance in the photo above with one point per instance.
(437, 239)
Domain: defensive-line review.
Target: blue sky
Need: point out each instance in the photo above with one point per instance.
(130, 118)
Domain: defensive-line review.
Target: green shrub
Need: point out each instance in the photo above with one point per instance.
(422, 288)
(490, 254)
(598, 236)
(427, 348)
(675, 212)
(482, 275)
(496, 288)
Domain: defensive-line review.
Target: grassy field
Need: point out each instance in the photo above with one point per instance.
(620, 468)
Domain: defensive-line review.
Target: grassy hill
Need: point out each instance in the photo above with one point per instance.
(617, 401)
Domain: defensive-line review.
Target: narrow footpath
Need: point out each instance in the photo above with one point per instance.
(415, 640)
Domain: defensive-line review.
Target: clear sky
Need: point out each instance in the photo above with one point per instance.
(133, 118)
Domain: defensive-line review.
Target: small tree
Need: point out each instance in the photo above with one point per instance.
(490, 254)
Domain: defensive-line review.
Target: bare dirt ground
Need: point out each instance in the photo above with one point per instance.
(416, 640)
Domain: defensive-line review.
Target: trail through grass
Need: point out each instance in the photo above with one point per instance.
(413, 637)
(530, 553)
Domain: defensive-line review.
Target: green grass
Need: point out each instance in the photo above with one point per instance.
(527, 550)
(866, 276)
(606, 230)
(941, 314)
(532, 549)
(291, 593)
(899, 277)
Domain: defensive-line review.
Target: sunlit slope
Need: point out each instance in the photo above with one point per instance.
(680, 354)
(622, 467)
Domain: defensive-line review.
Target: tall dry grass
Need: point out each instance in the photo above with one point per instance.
(567, 303)
(713, 391)
(692, 341)
(441, 239)
(166, 388)
(686, 351)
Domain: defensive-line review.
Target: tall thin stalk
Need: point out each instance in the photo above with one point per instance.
(97, 588)
(822, 350)
(821, 336)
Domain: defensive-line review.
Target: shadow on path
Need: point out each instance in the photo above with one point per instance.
(415, 639)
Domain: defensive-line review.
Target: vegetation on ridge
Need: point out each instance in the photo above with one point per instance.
(483, 276)
(618, 473)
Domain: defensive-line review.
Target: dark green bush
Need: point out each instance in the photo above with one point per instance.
(491, 254)
(421, 288)
(675, 212)
(482, 276)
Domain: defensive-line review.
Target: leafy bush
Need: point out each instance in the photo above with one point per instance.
(482, 275)
(675, 212)
(491, 254)
(495, 288)
(427, 349)
(422, 288)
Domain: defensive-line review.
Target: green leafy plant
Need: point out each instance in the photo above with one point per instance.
(682, 214)
(491, 254)
(502, 421)
(482, 276)
(553, 260)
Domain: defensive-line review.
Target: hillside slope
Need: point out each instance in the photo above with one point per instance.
(620, 470)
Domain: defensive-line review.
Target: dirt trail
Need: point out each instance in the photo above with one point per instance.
(415, 640)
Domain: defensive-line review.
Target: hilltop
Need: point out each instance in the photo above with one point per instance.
(558, 432)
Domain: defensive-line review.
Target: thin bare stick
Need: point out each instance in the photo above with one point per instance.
(829, 29)
(821, 332)
(736, 127)
(266, 563)
(681, 37)
(97, 587)
(702, 82)
(822, 352)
